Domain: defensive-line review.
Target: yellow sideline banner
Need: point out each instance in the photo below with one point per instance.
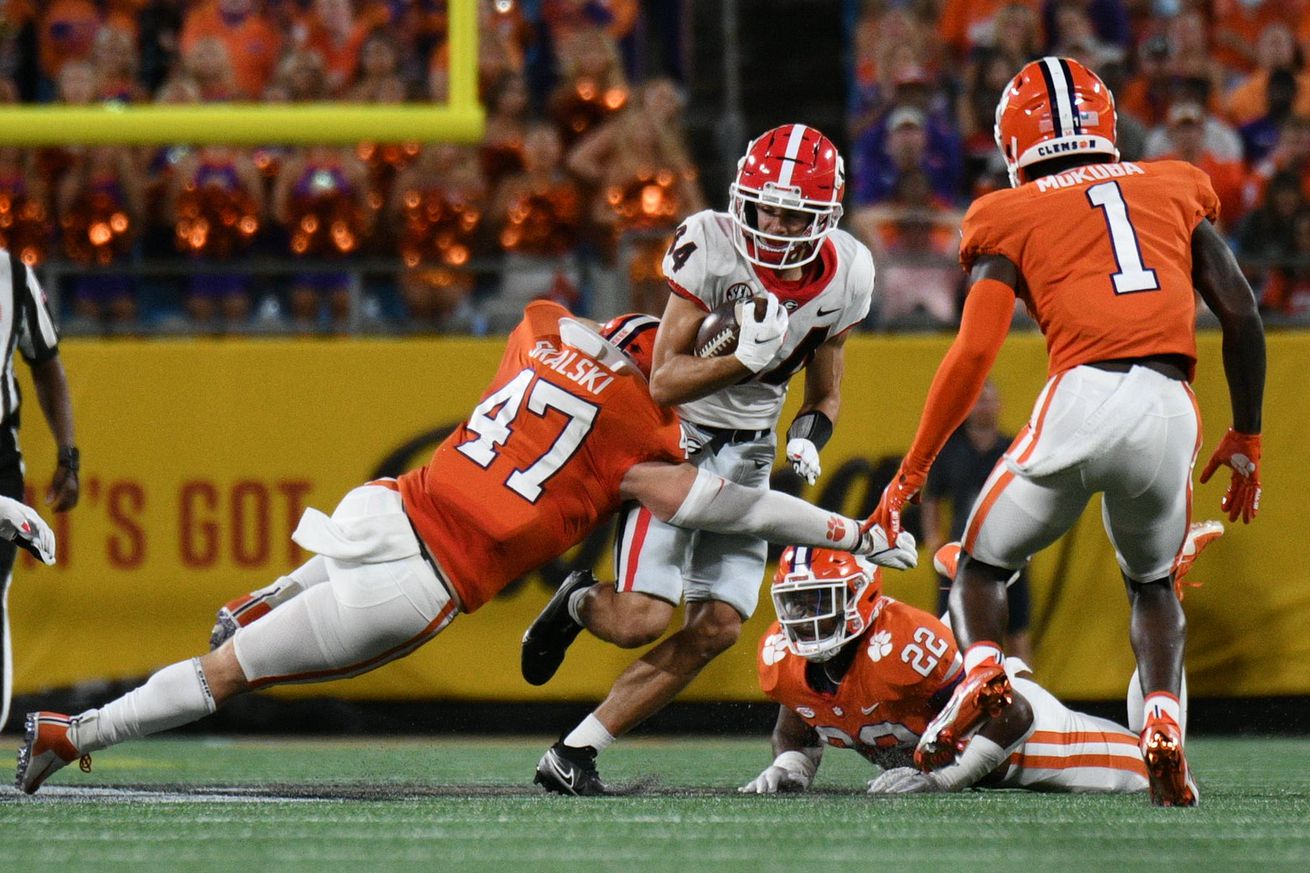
(200, 455)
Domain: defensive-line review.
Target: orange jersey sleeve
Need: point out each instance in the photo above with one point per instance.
(538, 463)
(1105, 254)
(900, 678)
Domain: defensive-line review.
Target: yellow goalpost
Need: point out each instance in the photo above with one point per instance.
(461, 119)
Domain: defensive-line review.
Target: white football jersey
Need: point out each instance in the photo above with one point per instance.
(703, 266)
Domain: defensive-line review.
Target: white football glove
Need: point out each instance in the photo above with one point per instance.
(873, 545)
(904, 780)
(21, 525)
(790, 771)
(759, 341)
(804, 459)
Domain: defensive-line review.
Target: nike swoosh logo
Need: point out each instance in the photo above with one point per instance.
(566, 774)
(765, 340)
(865, 710)
(823, 312)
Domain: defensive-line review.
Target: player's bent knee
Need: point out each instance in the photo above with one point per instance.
(223, 673)
(1153, 587)
(973, 570)
(712, 629)
(642, 619)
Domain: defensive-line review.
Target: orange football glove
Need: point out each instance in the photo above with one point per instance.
(904, 488)
(1241, 453)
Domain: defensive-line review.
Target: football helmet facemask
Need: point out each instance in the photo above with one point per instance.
(791, 167)
(824, 599)
(1054, 108)
(634, 334)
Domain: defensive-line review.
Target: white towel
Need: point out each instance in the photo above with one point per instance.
(366, 539)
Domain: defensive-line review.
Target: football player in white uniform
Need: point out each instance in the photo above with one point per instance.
(778, 241)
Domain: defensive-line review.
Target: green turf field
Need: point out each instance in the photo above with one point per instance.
(364, 805)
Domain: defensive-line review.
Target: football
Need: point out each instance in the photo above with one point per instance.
(718, 333)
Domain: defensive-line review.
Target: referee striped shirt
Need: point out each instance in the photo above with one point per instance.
(25, 323)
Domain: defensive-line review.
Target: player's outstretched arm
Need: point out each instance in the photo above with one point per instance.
(1225, 290)
(988, 310)
(682, 495)
(797, 752)
(987, 750)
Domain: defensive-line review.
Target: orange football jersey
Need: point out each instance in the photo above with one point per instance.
(538, 463)
(901, 677)
(1105, 253)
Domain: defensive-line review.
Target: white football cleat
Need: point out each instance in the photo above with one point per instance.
(46, 750)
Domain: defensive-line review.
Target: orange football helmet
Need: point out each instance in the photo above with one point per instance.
(1054, 107)
(634, 334)
(794, 167)
(824, 599)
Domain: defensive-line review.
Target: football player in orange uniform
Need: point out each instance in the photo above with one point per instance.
(855, 669)
(1105, 254)
(565, 433)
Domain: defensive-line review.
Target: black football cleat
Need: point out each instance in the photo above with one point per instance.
(570, 770)
(552, 632)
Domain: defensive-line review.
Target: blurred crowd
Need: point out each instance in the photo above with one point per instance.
(585, 167)
(1222, 84)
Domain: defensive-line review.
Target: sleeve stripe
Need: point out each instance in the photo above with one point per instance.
(683, 292)
(41, 338)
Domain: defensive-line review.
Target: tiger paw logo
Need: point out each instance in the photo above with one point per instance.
(836, 529)
(1243, 465)
(775, 649)
(880, 646)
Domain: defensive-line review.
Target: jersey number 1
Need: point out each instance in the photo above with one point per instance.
(1133, 275)
(493, 422)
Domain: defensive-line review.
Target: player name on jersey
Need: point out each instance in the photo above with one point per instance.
(1088, 173)
(572, 365)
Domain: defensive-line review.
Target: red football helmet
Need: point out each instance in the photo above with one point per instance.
(793, 167)
(1052, 108)
(824, 599)
(634, 335)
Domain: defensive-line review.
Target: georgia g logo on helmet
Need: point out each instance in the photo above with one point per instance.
(1054, 107)
(792, 167)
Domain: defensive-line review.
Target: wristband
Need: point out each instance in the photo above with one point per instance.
(813, 426)
(70, 458)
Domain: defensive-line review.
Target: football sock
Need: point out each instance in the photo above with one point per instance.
(979, 652)
(6, 653)
(1162, 703)
(590, 733)
(176, 695)
(1138, 712)
(575, 605)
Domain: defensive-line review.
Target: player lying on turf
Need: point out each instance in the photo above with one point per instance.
(565, 433)
(855, 669)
